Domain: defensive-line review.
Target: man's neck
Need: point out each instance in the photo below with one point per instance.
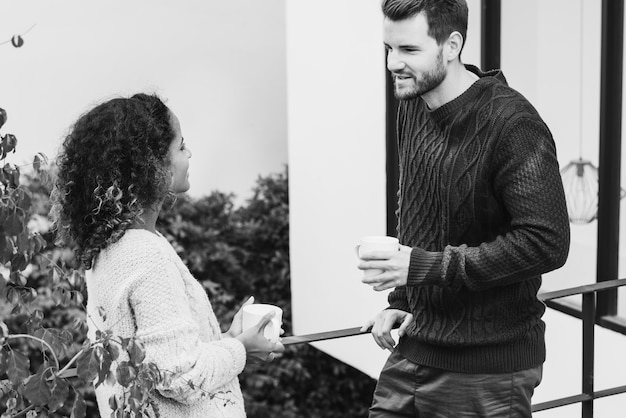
(457, 81)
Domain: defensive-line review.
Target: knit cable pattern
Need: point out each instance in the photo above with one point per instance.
(482, 203)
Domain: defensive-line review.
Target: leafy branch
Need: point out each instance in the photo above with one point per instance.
(34, 272)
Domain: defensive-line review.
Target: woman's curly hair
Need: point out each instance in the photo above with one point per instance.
(112, 165)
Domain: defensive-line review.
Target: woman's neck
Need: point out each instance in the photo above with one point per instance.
(148, 219)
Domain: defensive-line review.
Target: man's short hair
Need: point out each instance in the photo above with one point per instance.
(443, 16)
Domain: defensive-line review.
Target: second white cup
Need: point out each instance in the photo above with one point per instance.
(379, 244)
(252, 315)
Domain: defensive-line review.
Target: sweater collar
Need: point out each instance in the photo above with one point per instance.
(484, 79)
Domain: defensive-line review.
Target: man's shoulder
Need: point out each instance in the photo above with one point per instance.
(506, 101)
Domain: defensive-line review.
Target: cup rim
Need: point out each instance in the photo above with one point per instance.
(262, 308)
(378, 239)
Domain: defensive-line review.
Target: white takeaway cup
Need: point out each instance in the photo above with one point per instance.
(252, 315)
(384, 245)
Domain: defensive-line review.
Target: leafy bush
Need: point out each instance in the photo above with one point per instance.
(233, 251)
(238, 252)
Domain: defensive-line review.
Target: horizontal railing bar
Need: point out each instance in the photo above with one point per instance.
(613, 323)
(556, 403)
(569, 400)
(329, 335)
(565, 307)
(596, 287)
(609, 392)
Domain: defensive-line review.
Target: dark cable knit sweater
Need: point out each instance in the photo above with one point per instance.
(481, 202)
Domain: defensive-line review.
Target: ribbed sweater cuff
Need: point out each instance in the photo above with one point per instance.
(237, 351)
(425, 268)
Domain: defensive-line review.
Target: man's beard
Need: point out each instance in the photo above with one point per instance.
(429, 81)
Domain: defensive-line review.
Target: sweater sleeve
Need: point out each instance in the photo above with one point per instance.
(398, 300)
(165, 325)
(527, 179)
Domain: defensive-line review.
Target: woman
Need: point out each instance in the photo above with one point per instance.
(117, 166)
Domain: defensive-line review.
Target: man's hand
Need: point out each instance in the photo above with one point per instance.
(395, 269)
(383, 323)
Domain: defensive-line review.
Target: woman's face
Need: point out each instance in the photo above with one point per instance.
(179, 157)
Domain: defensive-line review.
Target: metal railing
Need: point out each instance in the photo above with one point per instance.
(589, 320)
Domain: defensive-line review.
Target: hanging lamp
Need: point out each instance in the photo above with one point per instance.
(580, 181)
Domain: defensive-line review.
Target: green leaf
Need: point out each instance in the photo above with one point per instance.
(4, 362)
(18, 368)
(22, 241)
(9, 141)
(125, 373)
(125, 343)
(3, 246)
(39, 161)
(12, 402)
(19, 262)
(37, 388)
(13, 224)
(13, 295)
(103, 313)
(7, 249)
(36, 317)
(51, 336)
(23, 200)
(113, 402)
(60, 392)
(105, 366)
(79, 408)
(136, 352)
(16, 278)
(3, 117)
(4, 332)
(37, 243)
(87, 365)
(112, 349)
(15, 178)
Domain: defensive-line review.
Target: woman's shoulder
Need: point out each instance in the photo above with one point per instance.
(135, 248)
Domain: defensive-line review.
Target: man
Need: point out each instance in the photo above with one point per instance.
(481, 214)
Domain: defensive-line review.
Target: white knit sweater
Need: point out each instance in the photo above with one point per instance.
(144, 290)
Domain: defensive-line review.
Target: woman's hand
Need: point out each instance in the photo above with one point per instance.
(236, 327)
(258, 347)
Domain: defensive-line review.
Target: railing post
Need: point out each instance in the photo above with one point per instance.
(490, 34)
(589, 314)
(609, 190)
(393, 167)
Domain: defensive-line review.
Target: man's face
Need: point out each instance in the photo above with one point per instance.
(413, 58)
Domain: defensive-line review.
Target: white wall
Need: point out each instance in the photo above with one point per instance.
(335, 73)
